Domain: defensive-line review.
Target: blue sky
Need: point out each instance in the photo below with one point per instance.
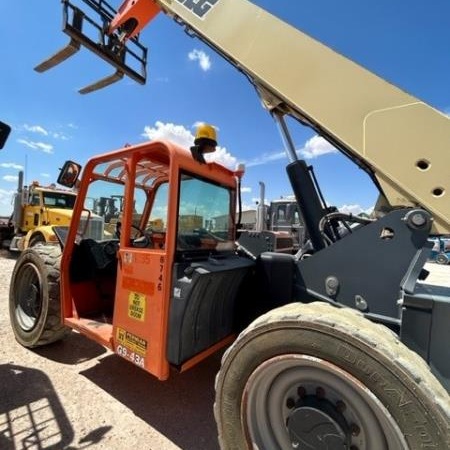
(405, 42)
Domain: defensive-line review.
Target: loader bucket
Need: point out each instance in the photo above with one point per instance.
(128, 57)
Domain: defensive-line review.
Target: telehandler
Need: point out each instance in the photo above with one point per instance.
(339, 348)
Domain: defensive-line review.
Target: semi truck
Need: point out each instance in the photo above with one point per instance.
(36, 210)
(278, 226)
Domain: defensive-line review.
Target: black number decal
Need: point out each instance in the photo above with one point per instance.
(198, 7)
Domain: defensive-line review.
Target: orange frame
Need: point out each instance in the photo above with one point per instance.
(139, 330)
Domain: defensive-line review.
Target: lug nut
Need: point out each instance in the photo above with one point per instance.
(301, 392)
(290, 403)
(320, 392)
(341, 406)
(355, 430)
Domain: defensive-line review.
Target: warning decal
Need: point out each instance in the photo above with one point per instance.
(132, 342)
(136, 306)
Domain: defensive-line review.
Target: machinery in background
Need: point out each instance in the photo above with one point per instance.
(37, 210)
(277, 227)
(440, 253)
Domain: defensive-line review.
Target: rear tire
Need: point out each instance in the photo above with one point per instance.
(34, 299)
(317, 377)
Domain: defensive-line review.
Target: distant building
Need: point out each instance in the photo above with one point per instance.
(189, 222)
(248, 219)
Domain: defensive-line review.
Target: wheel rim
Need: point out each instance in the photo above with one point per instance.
(299, 401)
(28, 297)
(442, 259)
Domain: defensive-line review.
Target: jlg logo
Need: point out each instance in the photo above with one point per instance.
(198, 7)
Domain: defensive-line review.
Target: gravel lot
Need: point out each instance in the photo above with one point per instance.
(75, 394)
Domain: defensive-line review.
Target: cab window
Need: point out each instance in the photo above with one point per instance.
(204, 216)
(35, 200)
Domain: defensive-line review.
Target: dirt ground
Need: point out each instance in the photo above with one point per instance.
(76, 395)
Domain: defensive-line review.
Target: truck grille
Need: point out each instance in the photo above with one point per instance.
(94, 228)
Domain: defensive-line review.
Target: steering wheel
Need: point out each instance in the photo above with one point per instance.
(142, 240)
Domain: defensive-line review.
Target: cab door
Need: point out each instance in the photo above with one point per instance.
(139, 306)
(143, 285)
(32, 212)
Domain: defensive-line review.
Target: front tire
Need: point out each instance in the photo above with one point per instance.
(36, 239)
(317, 377)
(34, 299)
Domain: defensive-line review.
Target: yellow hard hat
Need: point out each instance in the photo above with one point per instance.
(205, 131)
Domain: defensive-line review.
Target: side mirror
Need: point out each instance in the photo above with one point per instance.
(69, 173)
(4, 133)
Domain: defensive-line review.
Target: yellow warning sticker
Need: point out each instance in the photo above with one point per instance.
(136, 306)
(131, 341)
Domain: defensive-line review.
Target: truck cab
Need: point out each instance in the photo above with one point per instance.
(36, 210)
(47, 205)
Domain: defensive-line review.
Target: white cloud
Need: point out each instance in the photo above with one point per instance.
(355, 209)
(46, 148)
(202, 58)
(265, 158)
(182, 136)
(316, 146)
(45, 175)
(11, 178)
(6, 201)
(36, 129)
(171, 132)
(313, 148)
(245, 189)
(59, 135)
(11, 166)
(222, 156)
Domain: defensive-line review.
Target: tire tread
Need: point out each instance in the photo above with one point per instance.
(346, 322)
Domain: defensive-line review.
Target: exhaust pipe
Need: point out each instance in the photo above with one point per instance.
(261, 209)
(18, 204)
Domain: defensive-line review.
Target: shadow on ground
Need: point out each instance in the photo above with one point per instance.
(180, 408)
(74, 349)
(32, 416)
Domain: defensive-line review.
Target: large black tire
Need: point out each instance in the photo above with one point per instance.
(316, 377)
(34, 304)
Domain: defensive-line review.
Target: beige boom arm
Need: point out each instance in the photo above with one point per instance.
(402, 141)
